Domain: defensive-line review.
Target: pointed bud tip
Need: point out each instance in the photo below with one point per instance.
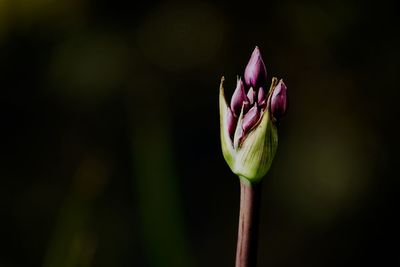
(256, 51)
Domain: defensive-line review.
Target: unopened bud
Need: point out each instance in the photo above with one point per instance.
(238, 97)
(278, 105)
(255, 74)
(248, 129)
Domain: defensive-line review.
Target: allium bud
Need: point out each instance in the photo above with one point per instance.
(249, 134)
(238, 98)
(278, 104)
(255, 74)
(251, 118)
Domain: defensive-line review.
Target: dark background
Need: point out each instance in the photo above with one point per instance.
(110, 132)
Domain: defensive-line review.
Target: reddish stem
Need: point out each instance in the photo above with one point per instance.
(250, 196)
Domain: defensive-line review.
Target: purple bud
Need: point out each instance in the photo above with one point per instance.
(261, 97)
(278, 104)
(251, 95)
(238, 98)
(255, 74)
(251, 118)
(231, 122)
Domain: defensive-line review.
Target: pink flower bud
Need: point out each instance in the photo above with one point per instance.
(231, 122)
(251, 118)
(238, 98)
(255, 74)
(278, 104)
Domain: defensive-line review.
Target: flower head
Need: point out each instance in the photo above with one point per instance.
(249, 124)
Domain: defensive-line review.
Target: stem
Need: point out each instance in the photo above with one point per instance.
(250, 196)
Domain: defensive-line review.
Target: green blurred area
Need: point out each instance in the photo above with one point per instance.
(111, 153)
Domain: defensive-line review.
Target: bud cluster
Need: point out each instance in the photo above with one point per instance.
(248, 124)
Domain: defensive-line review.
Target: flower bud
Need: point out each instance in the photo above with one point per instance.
(248, 126)
(231, 122)
(251, 118)
(238, 98)
(278, 105)
(255, 74)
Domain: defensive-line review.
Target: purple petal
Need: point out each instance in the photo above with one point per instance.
(251, 95)
(255, 74)
(231, 122)
(238, 97)
(278, 104)
(261, 97)
(251, 118)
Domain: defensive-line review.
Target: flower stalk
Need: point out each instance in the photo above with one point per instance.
(250, 198)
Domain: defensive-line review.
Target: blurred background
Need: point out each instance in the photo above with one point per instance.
(110, 132)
